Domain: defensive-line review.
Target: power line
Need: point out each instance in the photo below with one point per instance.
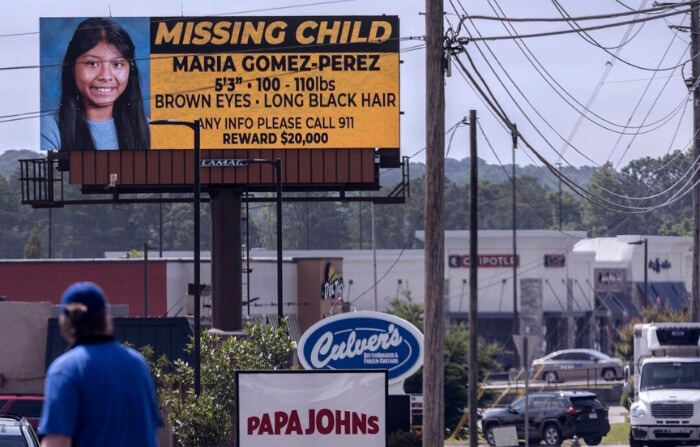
(582, 18)
(586, 195)
(224, 14)
(591, 28)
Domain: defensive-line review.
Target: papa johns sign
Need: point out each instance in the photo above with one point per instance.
(363, 340)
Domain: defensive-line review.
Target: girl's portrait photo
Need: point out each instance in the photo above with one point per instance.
(102, 99)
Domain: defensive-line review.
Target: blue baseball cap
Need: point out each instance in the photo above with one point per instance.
(86, 293)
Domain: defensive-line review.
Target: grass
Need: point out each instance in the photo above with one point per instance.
(619, 434)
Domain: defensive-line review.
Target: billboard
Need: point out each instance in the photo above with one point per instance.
(301, 82)
(311, 408)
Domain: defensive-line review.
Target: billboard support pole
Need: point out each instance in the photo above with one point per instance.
(278, 168)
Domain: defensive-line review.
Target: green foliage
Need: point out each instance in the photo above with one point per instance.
(682, 228)
(205, 420)
(625, 398)
(200, 421)
(644, 177)
(89, 231)
(404, 307)
(134, 254)
(624, 348)
(313, 226)
(32, 249)
(456, 352)
(400, 438)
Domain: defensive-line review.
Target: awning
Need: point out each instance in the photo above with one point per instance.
(670, 294)
(624, 301)
(679, 288)
(615, 305)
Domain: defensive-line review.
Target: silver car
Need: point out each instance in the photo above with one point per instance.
(577, 364)
(16, 431)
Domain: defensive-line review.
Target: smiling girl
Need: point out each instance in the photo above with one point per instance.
(101, 103)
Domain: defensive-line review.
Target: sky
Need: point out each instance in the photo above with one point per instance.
(579, 106)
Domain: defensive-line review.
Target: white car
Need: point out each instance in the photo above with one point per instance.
(577, 364)
(17, 431)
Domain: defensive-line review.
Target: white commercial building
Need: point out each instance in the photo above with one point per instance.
(570, 291)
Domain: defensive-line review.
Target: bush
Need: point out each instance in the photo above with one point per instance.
(207, 420)
(400, 438)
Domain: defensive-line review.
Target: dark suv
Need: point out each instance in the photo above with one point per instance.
(554, 416)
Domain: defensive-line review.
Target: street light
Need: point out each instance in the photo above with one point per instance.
(195, 126)
(644, 241)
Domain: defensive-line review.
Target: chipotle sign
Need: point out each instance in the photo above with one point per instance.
(311, 408)
(457, 261)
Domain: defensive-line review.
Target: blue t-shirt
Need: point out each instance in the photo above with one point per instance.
(104, 135)
(101, 394)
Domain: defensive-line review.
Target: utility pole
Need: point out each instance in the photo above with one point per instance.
(694, 51)
(473, 278)
(559, 213)
(433, 321)
(516, 318)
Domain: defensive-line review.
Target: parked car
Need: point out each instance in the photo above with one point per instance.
(16, 431)
(578, 364)
(27, 405)
(554, 417)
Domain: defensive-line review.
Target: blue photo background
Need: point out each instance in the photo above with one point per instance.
(54, 35)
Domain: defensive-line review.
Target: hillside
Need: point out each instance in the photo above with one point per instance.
(9, 160)
(457, 171)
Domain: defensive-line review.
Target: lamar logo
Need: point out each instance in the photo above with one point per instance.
(332, 287)
(222, 162)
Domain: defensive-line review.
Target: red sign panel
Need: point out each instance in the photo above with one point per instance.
(554, 260)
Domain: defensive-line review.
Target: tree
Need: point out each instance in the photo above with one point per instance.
(404, 307)
(603, 222)
(456, 352)
(206, 420)
(571, 211)
(624, 347)
(316, 225)
(682, 228)
(618, 199)
(32, 249)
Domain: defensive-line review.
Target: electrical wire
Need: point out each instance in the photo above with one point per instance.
(574, 187)
(223, 14)
(37, 114)
(639, 102)
(558, 88)
(679, 108)
(591, 28)
(578, 19)
(593, 199)
(588, 38)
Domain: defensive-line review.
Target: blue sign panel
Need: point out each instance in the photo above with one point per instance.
(363, 340)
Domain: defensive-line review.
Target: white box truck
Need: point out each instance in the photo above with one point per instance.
(666, 372)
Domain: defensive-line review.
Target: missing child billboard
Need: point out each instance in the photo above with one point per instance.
(301, 82)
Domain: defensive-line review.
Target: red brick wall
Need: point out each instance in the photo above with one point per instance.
(122, 281)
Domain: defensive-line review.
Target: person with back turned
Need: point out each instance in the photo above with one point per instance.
(99, 393)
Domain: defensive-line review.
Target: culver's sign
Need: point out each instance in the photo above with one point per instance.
(363, 340)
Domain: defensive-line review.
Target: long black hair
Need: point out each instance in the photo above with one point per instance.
(129, 117)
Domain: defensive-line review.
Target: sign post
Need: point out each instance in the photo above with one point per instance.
(523, 344)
